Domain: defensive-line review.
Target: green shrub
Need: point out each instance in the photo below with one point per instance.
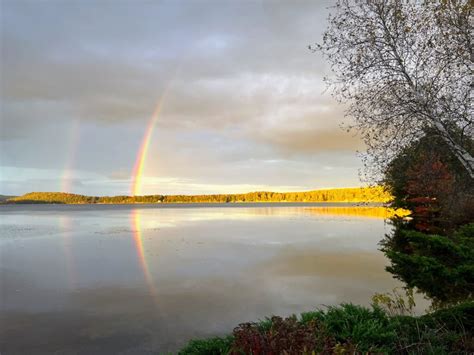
(368, 329)
(211, 346)
(307, 317)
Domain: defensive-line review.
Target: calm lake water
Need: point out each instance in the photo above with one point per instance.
(100, 279)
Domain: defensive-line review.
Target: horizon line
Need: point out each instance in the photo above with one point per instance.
(200, 194)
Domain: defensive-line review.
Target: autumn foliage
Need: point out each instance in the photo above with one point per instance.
(427, 198)
(429, 181)
(354, 195)
(282, 336)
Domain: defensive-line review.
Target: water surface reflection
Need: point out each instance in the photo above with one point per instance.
(140, 248)
(140, 279)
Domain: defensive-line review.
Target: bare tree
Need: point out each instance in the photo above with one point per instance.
(404, 67)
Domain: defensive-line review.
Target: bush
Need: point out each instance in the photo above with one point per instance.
(211, 346)
(282, 336)
(369, 329)
(349, 329)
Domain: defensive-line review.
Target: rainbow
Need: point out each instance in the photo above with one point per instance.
(138, 240)
(137, 175)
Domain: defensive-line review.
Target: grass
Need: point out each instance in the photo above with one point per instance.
(349, 329)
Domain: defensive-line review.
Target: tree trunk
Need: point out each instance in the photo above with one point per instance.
(466, 159)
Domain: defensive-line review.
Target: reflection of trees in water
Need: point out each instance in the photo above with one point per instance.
(440, 266)
(243, 212)
(349, 211)
(372, 212)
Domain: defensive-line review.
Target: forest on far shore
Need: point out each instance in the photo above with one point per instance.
(357, 194)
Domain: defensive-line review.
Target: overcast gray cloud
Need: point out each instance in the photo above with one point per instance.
(244, 97)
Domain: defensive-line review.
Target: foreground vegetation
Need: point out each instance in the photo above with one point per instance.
(349, 329)
(358, 194)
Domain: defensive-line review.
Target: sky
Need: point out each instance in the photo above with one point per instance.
(239, 100)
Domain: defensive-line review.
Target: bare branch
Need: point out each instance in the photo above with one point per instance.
(404, 67)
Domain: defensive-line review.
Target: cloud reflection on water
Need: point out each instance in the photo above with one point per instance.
(145, 279)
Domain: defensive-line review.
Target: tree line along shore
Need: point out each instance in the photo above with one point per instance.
(375, 194)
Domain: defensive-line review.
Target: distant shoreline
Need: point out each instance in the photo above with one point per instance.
(344, 195)
(282, 203)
